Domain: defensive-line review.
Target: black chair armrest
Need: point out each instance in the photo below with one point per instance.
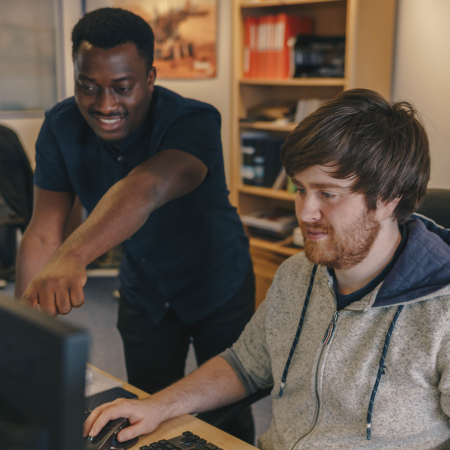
(220, 417)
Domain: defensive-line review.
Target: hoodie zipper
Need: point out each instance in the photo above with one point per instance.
(327, 338)
(331, 328)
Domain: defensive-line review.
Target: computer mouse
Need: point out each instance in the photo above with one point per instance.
(106, 439)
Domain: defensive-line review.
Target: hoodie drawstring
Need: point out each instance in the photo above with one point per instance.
(381, 366)
(299, 330)
(381, 372)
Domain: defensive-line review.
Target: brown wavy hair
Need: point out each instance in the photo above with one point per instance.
(383, 145)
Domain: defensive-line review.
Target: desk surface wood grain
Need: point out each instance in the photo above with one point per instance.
(175, 427)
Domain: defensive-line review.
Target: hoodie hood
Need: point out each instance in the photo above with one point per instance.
(422, 269)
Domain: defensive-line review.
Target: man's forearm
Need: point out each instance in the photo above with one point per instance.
(32, 256)
(119, 214)
(213, 385)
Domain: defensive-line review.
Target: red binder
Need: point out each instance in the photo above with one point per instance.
(270, 60)
(286, 29)
(249, 63)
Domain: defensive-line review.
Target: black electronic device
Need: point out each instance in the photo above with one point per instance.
(107, 438)
(110, 395)
(187, 441)
(42, 380)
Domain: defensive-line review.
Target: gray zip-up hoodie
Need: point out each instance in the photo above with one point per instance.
(331, 397)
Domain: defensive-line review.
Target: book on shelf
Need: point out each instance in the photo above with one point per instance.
(306, 106)
(280, 180)
(269, 44)
(319, 56)
(250, 53)
(261, 162)
(276, 224)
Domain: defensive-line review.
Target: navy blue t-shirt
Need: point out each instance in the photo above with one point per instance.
(192, 253)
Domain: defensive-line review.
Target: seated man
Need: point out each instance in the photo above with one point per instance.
(354, 330)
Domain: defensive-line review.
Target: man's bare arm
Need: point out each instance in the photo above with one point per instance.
(213, 385)
(118, 215)
(43, 236)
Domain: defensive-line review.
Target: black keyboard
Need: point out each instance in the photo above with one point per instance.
(90, 403)
(187, 440)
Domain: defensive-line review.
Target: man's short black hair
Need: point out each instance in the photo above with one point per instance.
(109, 27)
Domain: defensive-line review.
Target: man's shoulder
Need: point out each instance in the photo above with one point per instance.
(64, 112)
(294, 274)
(174, 105)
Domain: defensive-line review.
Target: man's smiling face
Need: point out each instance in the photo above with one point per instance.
(113, 90)
(338, 229)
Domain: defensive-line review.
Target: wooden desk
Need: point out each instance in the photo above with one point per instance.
(175, 427)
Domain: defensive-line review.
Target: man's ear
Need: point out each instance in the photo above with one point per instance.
(151, 78)
(386, 209)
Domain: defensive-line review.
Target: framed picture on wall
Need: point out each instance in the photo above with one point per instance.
(185, 34)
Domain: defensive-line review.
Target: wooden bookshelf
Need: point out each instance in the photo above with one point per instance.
(268, 126)
(267, 3)
(267, 192)
(277, 247)
(369, 30)
(296, 82)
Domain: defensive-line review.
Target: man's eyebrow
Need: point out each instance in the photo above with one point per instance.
(84, 77)
(115, 80)
(125, 78)
(328, 186)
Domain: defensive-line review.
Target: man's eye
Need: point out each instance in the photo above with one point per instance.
(328, 195)
(124, 89)
(89, 89)
(300, 190)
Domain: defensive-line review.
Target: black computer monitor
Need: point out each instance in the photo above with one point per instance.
(42, 380)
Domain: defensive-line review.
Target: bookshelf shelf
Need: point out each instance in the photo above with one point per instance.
(275, 247)
(296, 82)
(268, 126)
(368, 27)
(267, 3)
(267, 192)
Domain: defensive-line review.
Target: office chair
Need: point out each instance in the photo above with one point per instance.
(436, 206)
(9, 223)
(16, 197)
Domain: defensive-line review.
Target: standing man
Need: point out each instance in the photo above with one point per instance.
(147, 165)
(354, 333)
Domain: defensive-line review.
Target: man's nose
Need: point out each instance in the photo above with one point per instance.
(106, 102)
(307, 208)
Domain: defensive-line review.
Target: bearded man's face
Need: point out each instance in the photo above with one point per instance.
(337, 227)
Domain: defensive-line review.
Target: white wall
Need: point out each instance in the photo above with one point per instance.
(422, 74)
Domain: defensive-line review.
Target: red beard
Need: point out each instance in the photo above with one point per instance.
(346, 249)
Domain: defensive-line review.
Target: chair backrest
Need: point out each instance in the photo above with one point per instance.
(436, 206)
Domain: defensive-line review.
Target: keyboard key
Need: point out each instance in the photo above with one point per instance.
(162, 442)
(187, 433)
(211, 446)
(169, 445)
(201, 441)
(195, 437)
